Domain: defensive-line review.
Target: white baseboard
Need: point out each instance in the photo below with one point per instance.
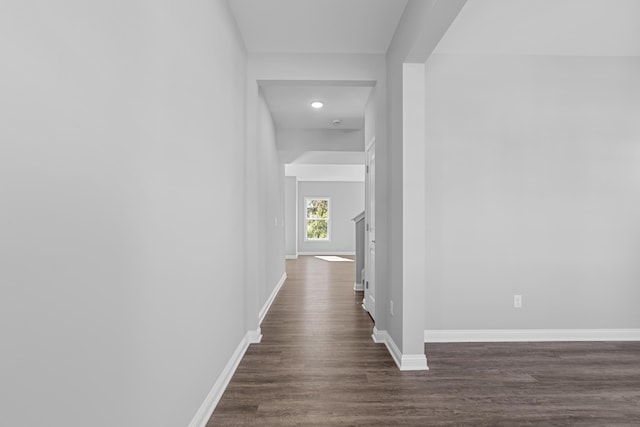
(532, 335)
(327, 253)
(358, 286)
(291, 256)
(405, 362)
(211, 401)
(267, 305)
(379, 337)
(254, 337)
(251, 337)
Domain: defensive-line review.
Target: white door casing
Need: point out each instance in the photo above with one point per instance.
(369, 301)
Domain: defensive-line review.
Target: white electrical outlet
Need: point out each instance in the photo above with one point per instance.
(391, 307)
(517, 301)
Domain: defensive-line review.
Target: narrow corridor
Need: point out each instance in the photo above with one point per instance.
(315, 358)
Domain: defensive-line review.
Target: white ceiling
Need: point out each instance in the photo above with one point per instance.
(291, 106)
(545, 27)
(527, 27)
(317, 26)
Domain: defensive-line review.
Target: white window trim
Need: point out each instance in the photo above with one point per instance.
(308, 239)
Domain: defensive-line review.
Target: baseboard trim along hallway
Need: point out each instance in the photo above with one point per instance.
(251, 337)
(317, 364)
(267, 305)
(211, 401)
(405, 362)
(530, 335)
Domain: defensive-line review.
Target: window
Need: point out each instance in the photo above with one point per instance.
(317, 218)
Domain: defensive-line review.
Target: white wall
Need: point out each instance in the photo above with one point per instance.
(421, 27)
(291, 216)
(271, 236)
(122, 197)
(295, 143)
(347, 201)
(331, 158)
(532, 189)
(369, 122)
(326, 172)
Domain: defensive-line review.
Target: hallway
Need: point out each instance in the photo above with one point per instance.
(317, 365)
(315, 356)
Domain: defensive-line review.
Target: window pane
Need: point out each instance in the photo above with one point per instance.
(317, 229)
(317, 208)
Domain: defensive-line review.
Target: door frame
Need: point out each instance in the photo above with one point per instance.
(369, 300)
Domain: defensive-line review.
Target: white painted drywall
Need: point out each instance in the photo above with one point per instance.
(271, 196)
(532, 189)
(121, 270)
(413, 208)
(277, 26)
(421, 27)
(545, 27)
(369, 122)
(291, 215)
(326, 172)
(296, 143)
(330, 158)
(347, 201)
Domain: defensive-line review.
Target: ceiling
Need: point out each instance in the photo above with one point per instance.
(545, 27)
(317, 26)
(290, 106)
(519, 27)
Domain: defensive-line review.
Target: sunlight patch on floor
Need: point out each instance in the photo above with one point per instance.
(332, 258)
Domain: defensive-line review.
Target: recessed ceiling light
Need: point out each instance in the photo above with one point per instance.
(317, 104)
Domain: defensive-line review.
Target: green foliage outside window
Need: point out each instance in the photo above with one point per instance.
(318, 219)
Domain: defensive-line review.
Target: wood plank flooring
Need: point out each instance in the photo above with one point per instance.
(317, 366)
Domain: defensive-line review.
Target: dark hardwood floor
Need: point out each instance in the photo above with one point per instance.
(317, 366)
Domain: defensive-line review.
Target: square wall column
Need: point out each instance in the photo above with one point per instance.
(413, 216)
